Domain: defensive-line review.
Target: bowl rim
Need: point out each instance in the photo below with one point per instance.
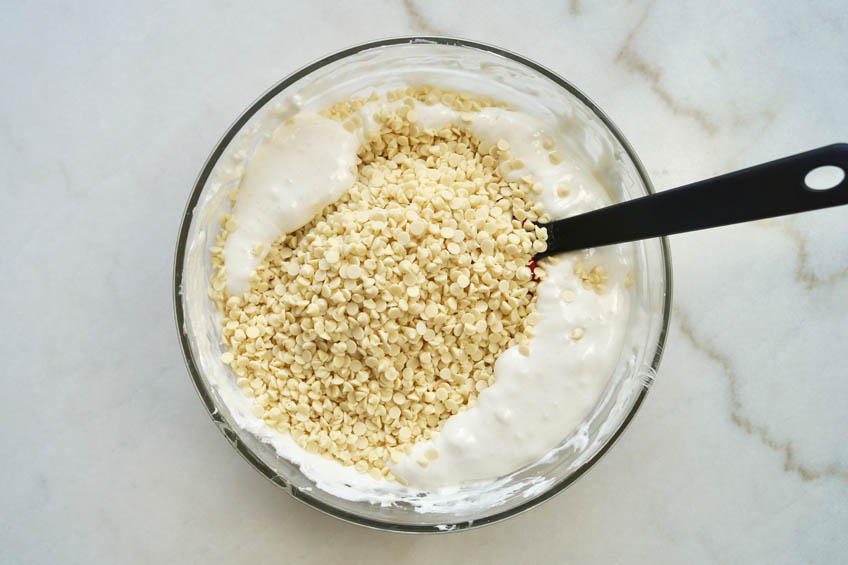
(180, 316)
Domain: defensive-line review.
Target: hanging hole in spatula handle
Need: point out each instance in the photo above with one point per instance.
(825, 177)
(807, 181)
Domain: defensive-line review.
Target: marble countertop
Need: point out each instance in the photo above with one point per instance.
(108, 111)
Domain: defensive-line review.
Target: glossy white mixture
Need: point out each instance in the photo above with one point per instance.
(292, 176)
(537, 400)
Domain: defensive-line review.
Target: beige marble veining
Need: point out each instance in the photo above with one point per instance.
(630, 59)
(804, 275)
(737, 409)
(738, 452)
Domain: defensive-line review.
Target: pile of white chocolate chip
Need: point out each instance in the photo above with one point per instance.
(363, 331)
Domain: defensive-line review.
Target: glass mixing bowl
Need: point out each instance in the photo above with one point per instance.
(460, 65)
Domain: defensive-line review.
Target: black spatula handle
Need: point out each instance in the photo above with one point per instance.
(772, 189)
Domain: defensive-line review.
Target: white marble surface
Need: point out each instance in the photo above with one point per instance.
(108, 110)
